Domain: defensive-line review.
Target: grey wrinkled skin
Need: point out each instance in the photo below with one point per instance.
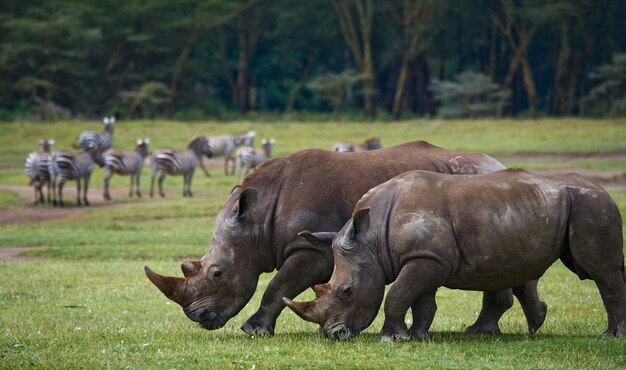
(485, 232)
(315, 190)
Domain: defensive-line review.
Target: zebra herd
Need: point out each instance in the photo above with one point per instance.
(44, 167)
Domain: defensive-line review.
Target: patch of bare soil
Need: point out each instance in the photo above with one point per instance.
(13, 254)
(567, 164)
(29, 212)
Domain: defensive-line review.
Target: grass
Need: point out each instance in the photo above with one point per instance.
(89, 305)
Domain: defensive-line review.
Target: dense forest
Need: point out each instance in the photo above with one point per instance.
(194, 59)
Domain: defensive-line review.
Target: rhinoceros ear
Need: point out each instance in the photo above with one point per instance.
(360, 224)
(247, 201)
(322, 240)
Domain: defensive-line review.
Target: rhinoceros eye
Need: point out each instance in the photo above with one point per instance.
(345, 292)
(217, 274)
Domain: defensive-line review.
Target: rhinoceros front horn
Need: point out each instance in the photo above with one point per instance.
(306, 310)
(170, 286)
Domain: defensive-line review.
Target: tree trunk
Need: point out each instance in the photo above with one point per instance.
(560, 99)
(361, 47)
(178, 72)
(295, 92)
(529, 84)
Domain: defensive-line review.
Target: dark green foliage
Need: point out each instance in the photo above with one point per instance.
(609, 96)
(209, 58)
(470, 95)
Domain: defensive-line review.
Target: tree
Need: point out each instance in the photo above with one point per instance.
(470, 95)
(417, 20)
(519, 21)
(608, 97)
(358, 39)
(332, 87)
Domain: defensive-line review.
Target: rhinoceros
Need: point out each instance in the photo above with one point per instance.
(422, 230)
(256, 232)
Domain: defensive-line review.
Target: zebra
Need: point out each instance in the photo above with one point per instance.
(125, 163)
(69, 166)
(102, 141)
(36, 166)
(226, 145)
(174, 162)
(372, 143)
(248, 158)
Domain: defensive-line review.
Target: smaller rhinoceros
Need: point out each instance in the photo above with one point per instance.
(422, 230)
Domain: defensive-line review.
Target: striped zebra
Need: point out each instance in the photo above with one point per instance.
(168, 161)
(372, 143)
(125, 163)
(37, 169)
(70, 166)
(102, 141)
(226, 145)
(248, 158)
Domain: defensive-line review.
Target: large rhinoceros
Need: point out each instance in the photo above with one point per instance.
(423, 230)
(256, 232)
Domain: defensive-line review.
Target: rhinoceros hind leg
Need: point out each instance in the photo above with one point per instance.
(613, 292)
(534, 309)
(495, 305)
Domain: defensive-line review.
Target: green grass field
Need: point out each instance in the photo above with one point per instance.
(84, 301)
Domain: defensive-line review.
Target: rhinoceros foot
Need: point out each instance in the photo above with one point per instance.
(483, 328)
(257, 330)
(618, 330)
(535, 322)
(395, 333)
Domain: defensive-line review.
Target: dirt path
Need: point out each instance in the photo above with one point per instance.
(27, 212)
(13, 254)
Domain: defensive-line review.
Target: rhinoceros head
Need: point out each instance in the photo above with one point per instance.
(349, 302)
(219, 285)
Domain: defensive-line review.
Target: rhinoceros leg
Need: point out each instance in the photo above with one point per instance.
(423, 312)
(415, 285)
(534, 309)
(495, 305)
(289, 282)
(612, 289)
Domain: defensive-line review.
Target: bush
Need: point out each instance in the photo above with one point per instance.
(470, 95)
(609, 96)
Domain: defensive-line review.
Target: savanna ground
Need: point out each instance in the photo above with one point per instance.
(73, 293)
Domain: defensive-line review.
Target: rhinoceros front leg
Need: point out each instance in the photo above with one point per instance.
(423, 312)
(301, 270)
(415, 286)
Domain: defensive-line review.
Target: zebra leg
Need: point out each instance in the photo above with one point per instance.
(161, 178)
(201, 163)
(132, 182)
(107, 178)
(53, 180)
(48, 189)
(86, 189)
(226, 164)
(189, 193)
(137, 190)
(78, 190)
(61, 185)
(152, 177)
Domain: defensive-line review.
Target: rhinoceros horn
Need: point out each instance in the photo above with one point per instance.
(190, 267)
(170, 286)
(321, 289)
(306, 310)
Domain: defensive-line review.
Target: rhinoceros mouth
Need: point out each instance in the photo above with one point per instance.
(212, 324)
(340, 332)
